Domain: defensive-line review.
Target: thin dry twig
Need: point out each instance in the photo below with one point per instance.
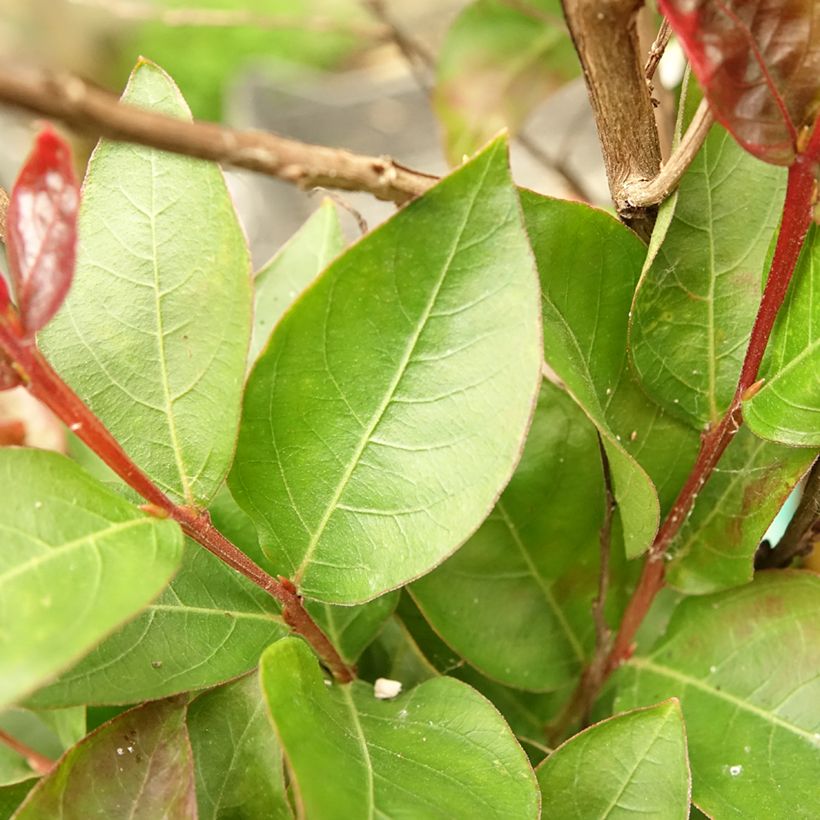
(656, 52)
(90, 110)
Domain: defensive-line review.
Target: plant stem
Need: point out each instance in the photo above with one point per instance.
(45, 384)
(39, 763)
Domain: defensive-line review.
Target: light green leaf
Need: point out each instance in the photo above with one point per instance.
(744, 665)
(138, 765)
(787, 408)
(440, 750)
(77, 561)
(697, 299)
(498, 61)
(631, 765)
(537, 552)
(390, 407)
(154, 333)
(237, 758)
(308, 252)
(715, 547)
(589, 266)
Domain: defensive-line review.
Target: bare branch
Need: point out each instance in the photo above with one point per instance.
(642, 194)
(90, 110)
(656, 51)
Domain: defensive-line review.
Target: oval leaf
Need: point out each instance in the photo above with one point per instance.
(744, 666)
(154, 333)
(758, 62)
(41, 230)
(631, 765)
(440, 750)
(77, 561)
(138, 765)
(390, 407)
(787, 407)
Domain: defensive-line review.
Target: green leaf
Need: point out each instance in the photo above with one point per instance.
(514, 601)
(498, 61)
(715, 547)
(697, 300)
(390, 407)
(631, 765)
(787, 408)
(138, 765)
(440, 750)
(589, 265)
(292, 269)
(208, 626)
(154, 333)
(237, 758)
(12, 796)
(744, 665)
(77, 561)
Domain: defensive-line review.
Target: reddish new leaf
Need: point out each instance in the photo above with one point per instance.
(759, 64)
(9, 377)
(41, 230)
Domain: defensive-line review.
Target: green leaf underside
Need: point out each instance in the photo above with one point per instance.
(77, 561)
(514, 601)
(697, 300)
(308, 252)
(787, 408)
(440, 750)
(237, 758)
(154, 333)
(390, 407)
(139, 765)
(744, 666)
(589, 265)
(208, 626)
(716, 545)
(496, 64)
(631, 765)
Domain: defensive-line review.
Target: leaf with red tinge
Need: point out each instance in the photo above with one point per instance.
(758, 62)
(9, 377)
(42, 230)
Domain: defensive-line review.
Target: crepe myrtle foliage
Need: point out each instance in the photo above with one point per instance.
(462, 520)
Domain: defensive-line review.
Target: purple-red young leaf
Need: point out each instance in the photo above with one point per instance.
(41, 230)
(759, 64)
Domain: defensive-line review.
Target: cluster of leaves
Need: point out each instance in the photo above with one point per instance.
(393, 446)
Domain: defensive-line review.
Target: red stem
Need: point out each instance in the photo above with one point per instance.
(39, 763)
(45, 384)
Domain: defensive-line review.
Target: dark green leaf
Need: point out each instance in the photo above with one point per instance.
(12, 796)
(292, 269)
(237, 758)
(138, 765)
(77, 561)
(631, 765)
(744, 665)
(154, 333)
(389, 409)
(439, 750)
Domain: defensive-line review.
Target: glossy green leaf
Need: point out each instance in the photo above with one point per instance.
(309, 251)
(589, 265)
(629, 766)
(498, 61)
(744, 665)
(787, 408)
(515, 600)
(390, 407)
(12, 796)
(439, 750)
(154, 333)
(697, 299)
(138, 765)
(237, 758)
(77, 561)
(208, 626)
(715, 547)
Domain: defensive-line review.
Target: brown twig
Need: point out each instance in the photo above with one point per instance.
(803, 532)
(46, 385)
(656, 52)
(39, 763)
(87, 109)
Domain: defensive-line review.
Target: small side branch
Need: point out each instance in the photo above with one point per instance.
(39, 763)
